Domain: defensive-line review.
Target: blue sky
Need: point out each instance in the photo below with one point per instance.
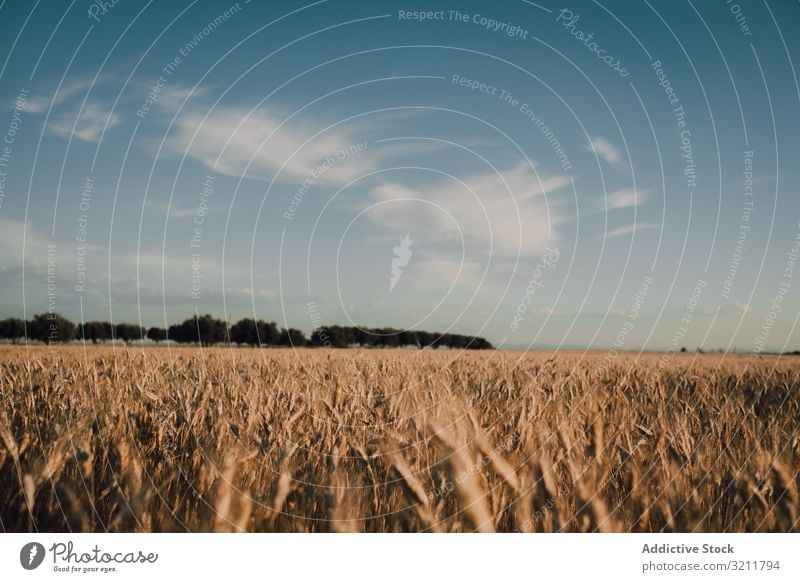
(247, 159)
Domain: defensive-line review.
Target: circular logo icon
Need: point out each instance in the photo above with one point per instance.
(31, 555)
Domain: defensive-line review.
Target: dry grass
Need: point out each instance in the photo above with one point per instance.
(271, 440)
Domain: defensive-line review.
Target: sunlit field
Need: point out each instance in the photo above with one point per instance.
(183, 439)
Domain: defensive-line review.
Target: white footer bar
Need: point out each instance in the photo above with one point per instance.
(401, 557)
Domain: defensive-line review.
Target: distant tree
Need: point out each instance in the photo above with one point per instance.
(179, 332)
(321, 337)
(138, 332)
(478, 343)
(210, 331)
(204, 329)
(12, 329)
(341, 337)
(408, 338)
(128, 332)
(95, 331)
(52, 328)
(386, 337)
(371, 338)
(244, 332)
(361, 335)
(390, 337)
(157, 334)
(122, 332)
(268, 334)
(292, 337)
(455, 341)
(437, 340)
(424, 338)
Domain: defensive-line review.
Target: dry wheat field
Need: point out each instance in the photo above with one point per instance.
(179, 439)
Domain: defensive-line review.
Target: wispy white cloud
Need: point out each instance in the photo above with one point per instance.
(182, 213)
(232, 141)
(625, 198)
(631, 228)
(12, 235)
(65, 107)
(176, 211)
(38, 103)
(436, 272)
(606, 150)
(175, 95)
(145, 276)
(94, 118)
(491, 218)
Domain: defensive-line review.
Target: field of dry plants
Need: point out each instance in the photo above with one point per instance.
(158, 439)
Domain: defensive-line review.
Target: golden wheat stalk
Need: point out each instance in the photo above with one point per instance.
(464, 475)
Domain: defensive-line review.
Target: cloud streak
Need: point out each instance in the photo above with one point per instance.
(233, 141)
(606, 150)
(93, 120)
(631, 228)
(625, 198)
(484, 213)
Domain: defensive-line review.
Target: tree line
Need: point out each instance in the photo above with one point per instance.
(207, 330)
